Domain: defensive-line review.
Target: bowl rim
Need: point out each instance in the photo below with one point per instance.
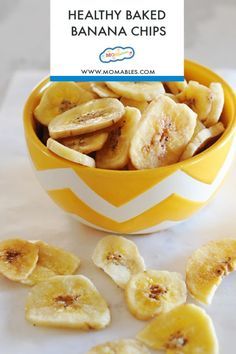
(30, 132)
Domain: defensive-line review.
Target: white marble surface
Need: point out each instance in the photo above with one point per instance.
(26, 211)
(210, 34)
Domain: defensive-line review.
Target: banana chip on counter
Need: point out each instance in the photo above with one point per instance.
(138, 91)
(207, 267)
(51, 261)
(18, 258)
(152, 292)
(60, 97)
(70, 301)
(122, 346)
(186, 329)
(163, 134)
(115, 152)
(119, 258)
(86, 118)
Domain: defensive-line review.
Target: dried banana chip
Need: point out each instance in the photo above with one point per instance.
(52, 261)
(138, 91)
(60, 97)
(218, 101)
(122, 346)
(163, 134)
(86, 143)
(69, 154)
(86, 118)
(101, 89)
(202, 139)
(70, 301)
(207, 267)
(198, 97)
(152, 292)
(176, 87)
(141, 105)
(186, 329)
(119, 258)
(115, 152)
(18, 258)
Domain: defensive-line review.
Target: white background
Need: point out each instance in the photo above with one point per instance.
(163, 53)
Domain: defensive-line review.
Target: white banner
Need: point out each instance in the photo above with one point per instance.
(129, 41)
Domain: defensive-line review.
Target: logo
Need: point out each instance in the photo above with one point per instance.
(116, 54)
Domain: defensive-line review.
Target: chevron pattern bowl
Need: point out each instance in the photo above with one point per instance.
(135, 202)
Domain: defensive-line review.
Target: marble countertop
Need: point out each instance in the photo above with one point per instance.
(26, 211)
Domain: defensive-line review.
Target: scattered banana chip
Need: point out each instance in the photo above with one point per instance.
(202, 139)
(122, 346)
(87, 118)
(207, 267)
(115, 152)
(198, 97)
(86, 143)
(138, 91)
(70, 154)
(18, 258)
(218, 101)
(119, 258)
(70, 301)
(185, 329)
(141, 105)
(176, 87)
(163, 134)
(101, 89)
(60, 97)
(52, 261)
(152, 292)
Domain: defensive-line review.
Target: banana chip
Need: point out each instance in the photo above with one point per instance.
(69, 154)
(203, 138)
(70, 301)
(152, 292)
(86, 143)
(198, 97)
(87, 118)
(115, 152)
(122, 346)
(207, 267)
(18, 258)
(176, 87)
(141, 105)
(187, 329)
(60, 97)
(101, 89)
(52, 261)
(138, 91)
(119, 258)
(218, 101)
(163, 134)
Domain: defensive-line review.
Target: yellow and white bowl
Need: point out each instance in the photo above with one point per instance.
(135, 202)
